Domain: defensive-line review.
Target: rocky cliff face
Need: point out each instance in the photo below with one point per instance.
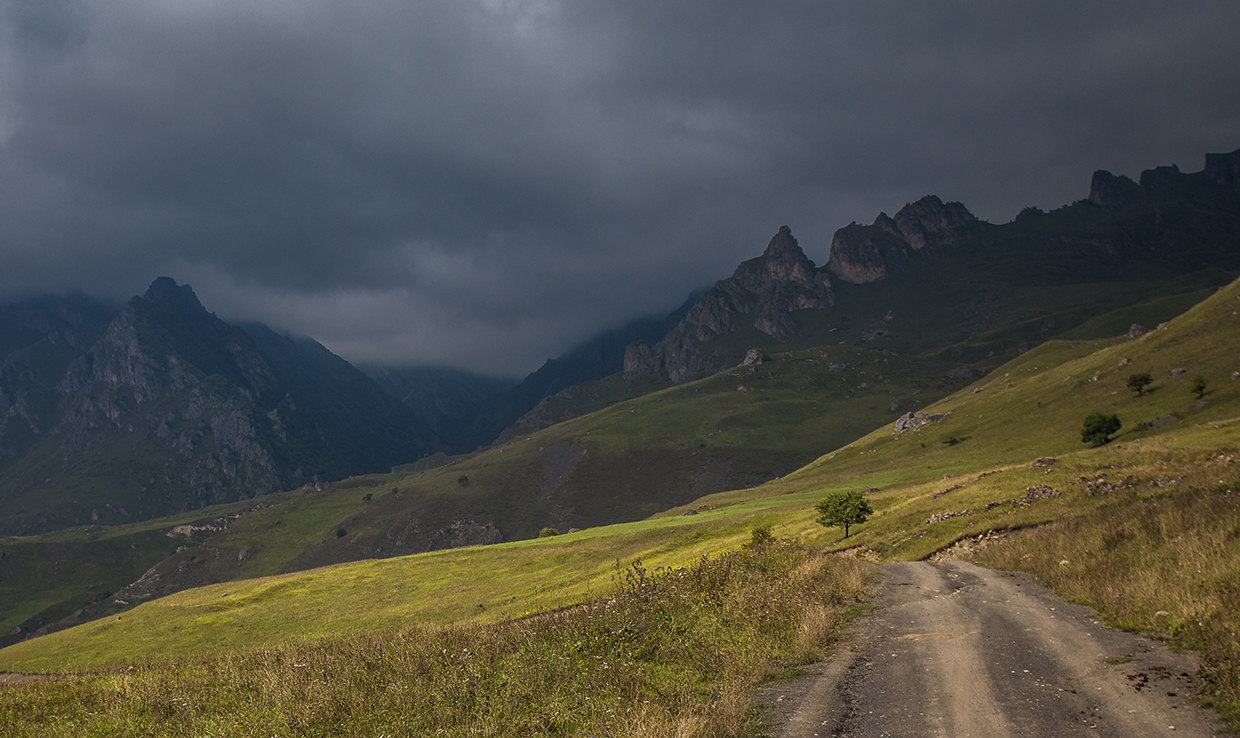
(39, 339)
(762, 292)
(861, 254)
(1110, 192)
(165, 407)
(1223, 169)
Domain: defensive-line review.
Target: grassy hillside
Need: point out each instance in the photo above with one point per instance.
(981, 456)
(622, 463)
(1007, 456)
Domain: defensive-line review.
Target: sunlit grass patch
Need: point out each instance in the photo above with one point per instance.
(670, 652)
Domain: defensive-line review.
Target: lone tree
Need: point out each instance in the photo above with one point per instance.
(1138, 382)
(1198, 386)
(843, 508)
(1099, 428)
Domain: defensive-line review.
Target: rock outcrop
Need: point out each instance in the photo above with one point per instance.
(1110, 192)
(862, 254)
(915, 420)
(762, 292)
(1223, 169)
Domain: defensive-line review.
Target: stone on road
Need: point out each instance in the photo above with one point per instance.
(957, 650)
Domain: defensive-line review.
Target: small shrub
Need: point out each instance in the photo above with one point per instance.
(843, 508)
(761, 535)
(368, 497)
(341, 532)
(548, 532)
(1138, 382)
(1099, 428)
(462, 480)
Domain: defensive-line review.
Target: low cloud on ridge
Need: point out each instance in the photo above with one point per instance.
(482, 183)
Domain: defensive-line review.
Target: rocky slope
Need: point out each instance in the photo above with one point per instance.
(935, 275)
(165, 407)
(762, 292)
(861, 254)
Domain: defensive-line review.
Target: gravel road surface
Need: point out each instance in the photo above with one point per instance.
(957, 650)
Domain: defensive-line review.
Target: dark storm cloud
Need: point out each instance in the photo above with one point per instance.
(482, 182)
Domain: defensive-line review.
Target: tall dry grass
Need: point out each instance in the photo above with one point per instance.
(672, 653)
(1168, 566)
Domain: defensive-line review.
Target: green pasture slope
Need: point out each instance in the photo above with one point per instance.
(980, 462)
(622, 463)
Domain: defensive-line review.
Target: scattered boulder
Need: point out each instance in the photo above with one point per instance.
(942, 492)
(1038, 492)
(940, 517)
(1044, 462)
(690, 511)
(1099, 486)
(243, 554)
(753, 357)
(466, 532)
(1136, 329)
(1178, 371)
(915, 420)
(1162, 420)
(960, 372)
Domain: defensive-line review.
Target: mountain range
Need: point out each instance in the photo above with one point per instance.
(253, 440)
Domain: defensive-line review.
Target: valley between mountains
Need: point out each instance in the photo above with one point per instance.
(225, 530)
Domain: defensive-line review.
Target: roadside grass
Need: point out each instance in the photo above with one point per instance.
(1168, 566)
(669, 652)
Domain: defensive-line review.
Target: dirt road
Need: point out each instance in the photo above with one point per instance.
(957, 650)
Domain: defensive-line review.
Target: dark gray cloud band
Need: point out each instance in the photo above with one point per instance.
(483, 182)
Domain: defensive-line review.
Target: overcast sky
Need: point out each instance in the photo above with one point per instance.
(483, 183)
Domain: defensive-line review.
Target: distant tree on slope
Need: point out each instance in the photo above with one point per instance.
(1099, 428)
(843, 508)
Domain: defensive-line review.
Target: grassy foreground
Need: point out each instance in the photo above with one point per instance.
(673, 652)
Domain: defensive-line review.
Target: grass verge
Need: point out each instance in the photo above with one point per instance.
(672, 652)
(1168, 566)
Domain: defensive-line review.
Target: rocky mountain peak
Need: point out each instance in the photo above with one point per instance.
(783, 263)
(861, 254)
(166, 292)
(764, 292)
(932, 222)
(1110, 192)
